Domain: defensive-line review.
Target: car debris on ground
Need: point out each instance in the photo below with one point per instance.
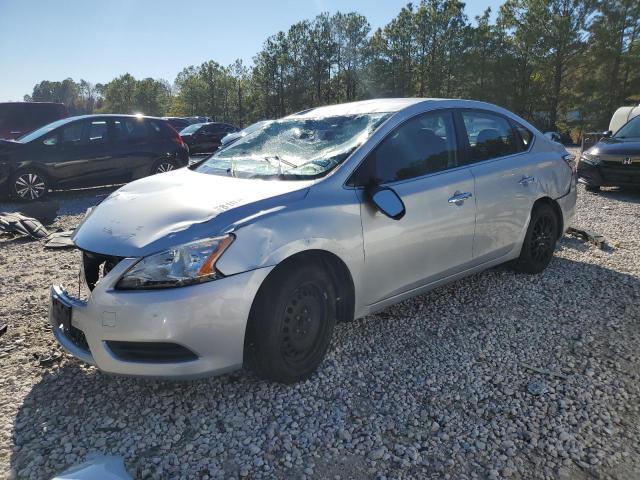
(97, 467)
(588, 236)
(16, 224)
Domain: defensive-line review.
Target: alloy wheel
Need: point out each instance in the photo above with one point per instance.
(542, 239)
(165, 167)
(30, 186)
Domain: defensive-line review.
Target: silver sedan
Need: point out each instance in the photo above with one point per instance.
(252, 256)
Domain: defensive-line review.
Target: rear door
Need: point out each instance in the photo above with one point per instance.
(434, 239)
(134, 148)
(505, 179)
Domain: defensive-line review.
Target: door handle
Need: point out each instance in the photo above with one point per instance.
(459, 198)
(526, 180)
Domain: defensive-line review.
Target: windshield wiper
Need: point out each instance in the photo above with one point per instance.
(280, 162)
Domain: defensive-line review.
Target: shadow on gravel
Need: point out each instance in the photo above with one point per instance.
(622, 194)
(72, 202)
(74, 409)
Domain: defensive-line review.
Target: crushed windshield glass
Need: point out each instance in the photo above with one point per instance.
(294, 147)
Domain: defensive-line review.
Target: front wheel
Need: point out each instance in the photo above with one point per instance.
(291, 323)
(540, 240)
(28, 185)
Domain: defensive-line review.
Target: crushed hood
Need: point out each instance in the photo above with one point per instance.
(158, 212)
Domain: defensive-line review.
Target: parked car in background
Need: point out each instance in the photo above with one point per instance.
(253, 255)
(232, 137)
(199, 119)
(86, 151)
(563, 138)
(614, 161)
(205, 137)
(177, 123)
(20, 118)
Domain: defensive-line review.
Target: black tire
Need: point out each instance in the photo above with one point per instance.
(291, 323)
(540, 240)
(592, 188)
(164, 165)
(28, 186)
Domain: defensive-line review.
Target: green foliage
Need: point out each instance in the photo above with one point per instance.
(562, 64)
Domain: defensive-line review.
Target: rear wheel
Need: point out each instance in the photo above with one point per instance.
(291, 323)
(540, 240)
(163, 166)
(592, 188)
(29, 185)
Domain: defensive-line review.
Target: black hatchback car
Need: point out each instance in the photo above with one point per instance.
(87, 151)
(614, 161)
(206, 137)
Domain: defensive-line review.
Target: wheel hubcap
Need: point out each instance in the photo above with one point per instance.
(542, 239)
(165, 167)
(30, 185)
(304, 317)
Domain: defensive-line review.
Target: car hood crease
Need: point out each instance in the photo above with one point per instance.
(158, 212)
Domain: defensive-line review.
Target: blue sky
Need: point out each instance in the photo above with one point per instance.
(98, 40)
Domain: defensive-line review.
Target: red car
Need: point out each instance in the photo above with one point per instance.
(20, 118)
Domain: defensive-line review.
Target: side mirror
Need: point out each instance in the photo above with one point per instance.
(388, 202)
(607, 134)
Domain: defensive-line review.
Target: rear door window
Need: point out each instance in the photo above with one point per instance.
(489, 136)
(98, 132)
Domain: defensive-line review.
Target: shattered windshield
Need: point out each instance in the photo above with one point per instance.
(294, 147)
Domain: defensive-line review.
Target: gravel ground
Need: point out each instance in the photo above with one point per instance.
(498, 375)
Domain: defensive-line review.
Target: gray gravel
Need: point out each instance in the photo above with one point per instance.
(496, 376)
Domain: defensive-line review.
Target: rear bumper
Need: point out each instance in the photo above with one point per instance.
(568, 205)
(609, 175)
(207, 319)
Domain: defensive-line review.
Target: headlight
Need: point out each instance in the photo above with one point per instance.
(186, 264)
(590, 158)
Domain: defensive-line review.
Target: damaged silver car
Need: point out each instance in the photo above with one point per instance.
(252, 256)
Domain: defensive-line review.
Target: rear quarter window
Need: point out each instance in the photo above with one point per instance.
(525, 137)
(130, 130)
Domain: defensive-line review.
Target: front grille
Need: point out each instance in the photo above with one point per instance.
(97, 266)
(151, 352)
(77, 337)
(620, 174)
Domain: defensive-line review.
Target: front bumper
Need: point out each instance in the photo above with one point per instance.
(208, 319)
(609, 175)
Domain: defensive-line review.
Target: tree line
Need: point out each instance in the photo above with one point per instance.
(562, 64)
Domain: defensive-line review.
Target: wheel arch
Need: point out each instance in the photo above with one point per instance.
(556, 208)
(338, 270)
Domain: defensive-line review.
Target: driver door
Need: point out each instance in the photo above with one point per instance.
(434, 238)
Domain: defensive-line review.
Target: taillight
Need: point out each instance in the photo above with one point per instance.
(571, 162)
(176, 136)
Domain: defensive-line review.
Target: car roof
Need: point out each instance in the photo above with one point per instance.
(379, 105)
(104, 115)
(385, 105)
